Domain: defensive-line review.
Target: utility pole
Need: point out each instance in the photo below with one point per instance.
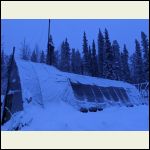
(48, 31)
(50, 48)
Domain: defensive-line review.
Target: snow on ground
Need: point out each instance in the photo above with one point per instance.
(48, 86)
(62, 117)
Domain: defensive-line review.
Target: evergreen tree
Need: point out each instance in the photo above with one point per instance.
(125, 65)
(108, 58)
(34, 56)
(138, 63)
(100, 53)
(145, 48)
(25, 50)
(90, 59)
(65, 56)
(56, 59)
(50, 52)
(132, 67)
(42, 57)
(37, 52)
(117, 60)
(62, 59)
(78, 62)
(85, 56)
(94, 61)
(73, 61)
(122, 66)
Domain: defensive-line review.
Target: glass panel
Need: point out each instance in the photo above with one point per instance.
(119, 93)
(124, 93)
(78, 91)
(99, 96)
(105, 92)
(88, 93)
(113, 94)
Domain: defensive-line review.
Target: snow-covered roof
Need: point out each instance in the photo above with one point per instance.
(47, 84)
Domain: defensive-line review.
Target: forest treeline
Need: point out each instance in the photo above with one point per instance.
(102, 58)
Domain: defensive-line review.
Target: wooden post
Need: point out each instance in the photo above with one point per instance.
(8, 87)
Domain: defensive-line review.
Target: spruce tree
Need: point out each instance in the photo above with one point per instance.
(94, 61)
(138, 63)
(34, 56)
(56, 59)
(125, 65)
(78, 62)
(132, 67)
(122, 66)
(50, 52)
(37, 52)
(145, 49)
(62, 57)
(25, 50)
(42, 57)
(90, 61)
(108, 58)
(117, 60)
(85, 56)
(100, 53)
(65, 56)
(73, 61)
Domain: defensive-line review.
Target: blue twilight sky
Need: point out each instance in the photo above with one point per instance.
(13, 31)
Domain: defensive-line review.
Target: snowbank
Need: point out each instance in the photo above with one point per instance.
(63, 117)
(48, 87)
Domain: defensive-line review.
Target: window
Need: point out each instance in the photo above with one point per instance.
(78, 91)
(124, 93)
(113, 94)
(98, 95)
(121, 94)
(105, 92)
(88, 93)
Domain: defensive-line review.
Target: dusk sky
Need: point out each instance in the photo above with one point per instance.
(35, 31)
